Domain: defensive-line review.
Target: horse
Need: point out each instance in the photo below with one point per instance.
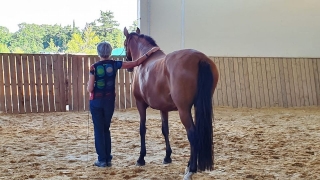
(176, 81)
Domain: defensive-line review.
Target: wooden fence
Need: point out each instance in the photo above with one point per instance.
(49, 83)
(268, 82)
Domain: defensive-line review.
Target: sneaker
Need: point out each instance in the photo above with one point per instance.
(100, 163)
(109, 164)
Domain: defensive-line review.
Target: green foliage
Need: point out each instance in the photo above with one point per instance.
(52, 48)
(116, 39)
(33, 38)
(28, 38)
(75, 44)
(4, 48)
(5, 35)
(60, 36)
(85, 43)
(105, 25)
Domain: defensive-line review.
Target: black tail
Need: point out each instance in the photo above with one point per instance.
(203, 117)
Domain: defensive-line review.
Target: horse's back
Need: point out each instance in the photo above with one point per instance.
(185, 63)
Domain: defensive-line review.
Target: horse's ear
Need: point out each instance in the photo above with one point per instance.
(138, 31)
(125, 31)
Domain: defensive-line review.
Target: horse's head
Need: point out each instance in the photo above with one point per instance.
(137, 44)
(127, 42)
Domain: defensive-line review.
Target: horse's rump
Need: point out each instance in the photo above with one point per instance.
(182, 67)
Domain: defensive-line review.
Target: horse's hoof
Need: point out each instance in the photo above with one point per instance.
(188, 176)
(141, 163)
(167, 161)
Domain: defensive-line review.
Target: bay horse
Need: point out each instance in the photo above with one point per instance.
(175, 82)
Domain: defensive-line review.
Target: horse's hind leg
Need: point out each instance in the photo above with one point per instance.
(165, 132)
(186, 119)
(142, 107)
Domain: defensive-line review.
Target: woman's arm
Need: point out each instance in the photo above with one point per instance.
(90, 83)
(131, 64)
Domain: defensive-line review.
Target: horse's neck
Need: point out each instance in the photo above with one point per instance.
(142, 49)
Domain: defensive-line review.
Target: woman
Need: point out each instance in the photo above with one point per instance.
(101, 86)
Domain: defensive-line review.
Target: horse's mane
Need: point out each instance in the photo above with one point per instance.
(147, 38)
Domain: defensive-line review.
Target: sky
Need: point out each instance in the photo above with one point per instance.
(63, 12)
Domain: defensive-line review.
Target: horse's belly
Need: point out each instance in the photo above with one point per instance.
(161, 102)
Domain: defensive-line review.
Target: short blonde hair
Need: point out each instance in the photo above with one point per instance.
(104, 49)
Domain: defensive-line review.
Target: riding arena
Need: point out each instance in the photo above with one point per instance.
(246, 107)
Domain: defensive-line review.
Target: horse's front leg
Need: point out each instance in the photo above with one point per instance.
(165, 132)
(142, 107)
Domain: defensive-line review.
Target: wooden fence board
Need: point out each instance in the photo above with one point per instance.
(127, 90)
(299, 79)
(86, 73)
(56, 65)
(7, 85)
(215, 94)
(286, 82)
(218, 90)
(291, 79)
(251, 82)
(63, 83)
(14, 84)
(33, 92)
(26, 83)
(38, 75)
(75, 83)
(122, 90)
(279, 101)
(317, 79)
(308, 81)
(232, 83)
(242, 87)
(19, 74)
(256, 82)
(69, 80)
(44, 82)
(50, 83)
(223, 82)
(269, 82)
(117, 103)
(304, 83)
(283, 82)
(265, 82)
(260, 82)
(133, 99)
(295, 81)
(247, 97)
(83, 84)
(237, 81)
(2, 87)
(273, 82)
(80, 82)
(316, 72)
(312, 82)
(228, 81)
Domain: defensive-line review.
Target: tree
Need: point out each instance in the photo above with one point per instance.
(4, 48)
(85, 43)
(29, 38)
(116, 39)
(52, 48)
(60, 36)
(105, 25)
(5, 35)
